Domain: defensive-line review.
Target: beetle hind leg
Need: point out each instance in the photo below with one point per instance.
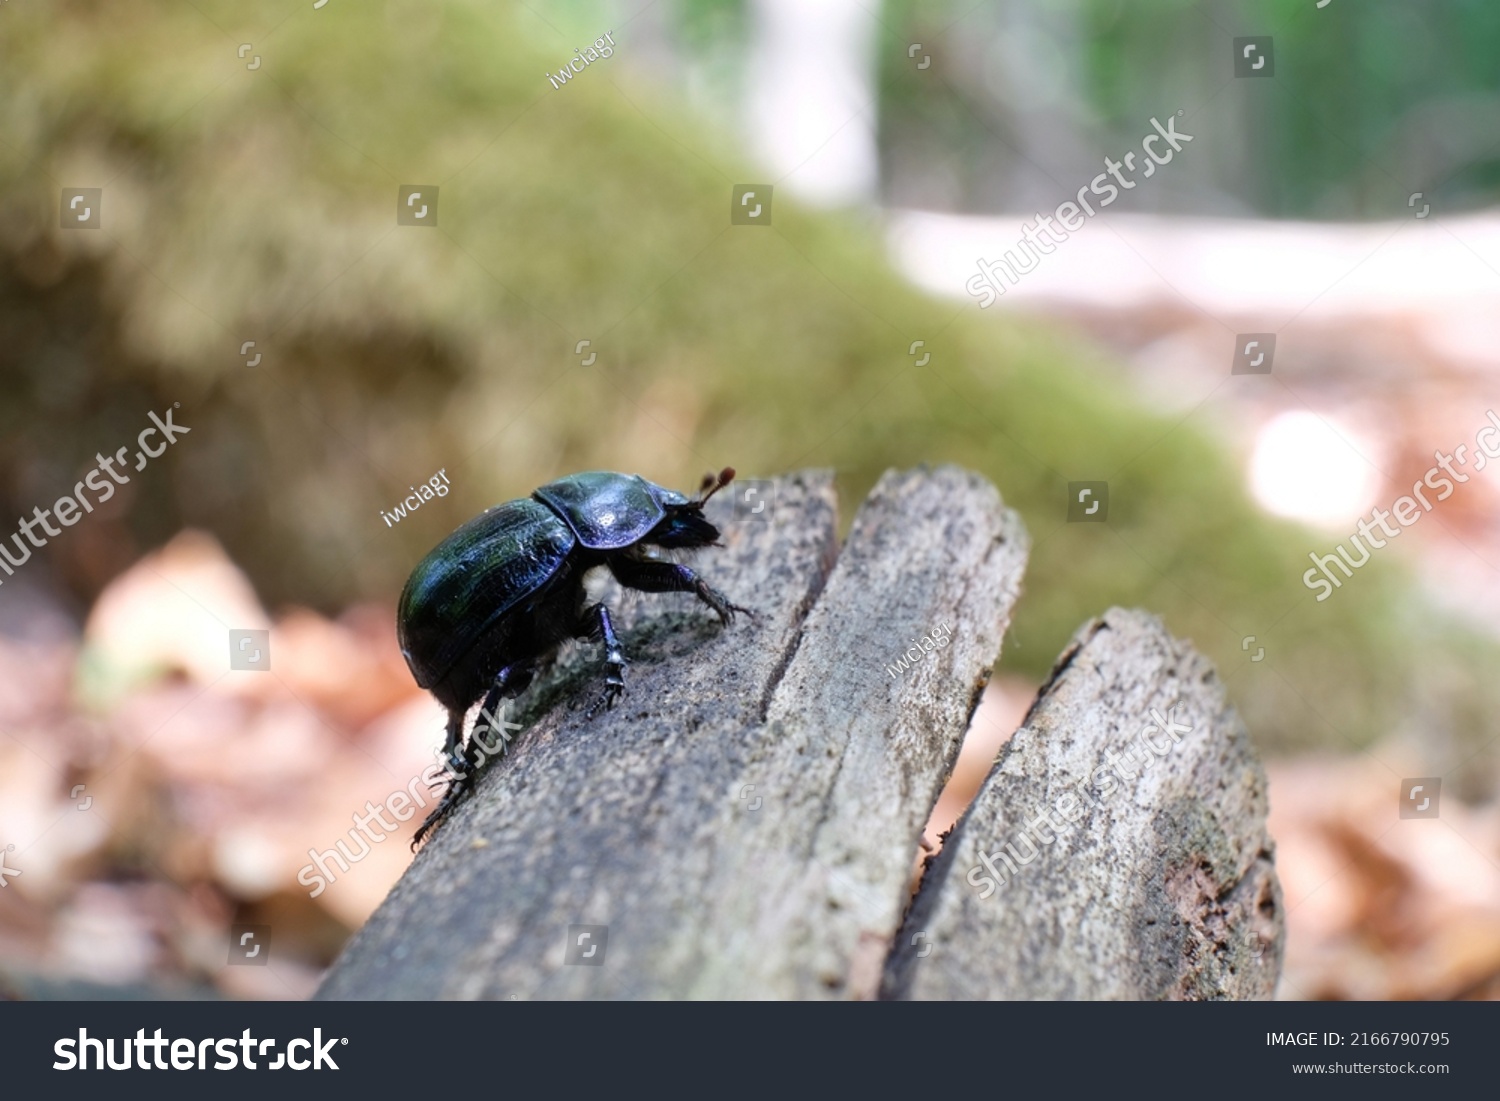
(458, 768)
(595, 625)
(509, 683)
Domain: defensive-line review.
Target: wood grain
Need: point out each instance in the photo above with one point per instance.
(1157, 881)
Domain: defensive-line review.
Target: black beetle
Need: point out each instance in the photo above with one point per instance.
(497, 597)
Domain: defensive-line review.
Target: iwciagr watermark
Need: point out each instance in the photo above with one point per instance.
(926, 645)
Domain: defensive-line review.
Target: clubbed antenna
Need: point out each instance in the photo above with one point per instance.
(712, 483)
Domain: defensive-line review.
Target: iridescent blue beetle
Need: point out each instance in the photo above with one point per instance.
(497, 597)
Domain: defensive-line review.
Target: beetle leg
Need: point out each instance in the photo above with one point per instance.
(455, 735)
(669, 577)
(492, 720)
(595, 624)
(509, 683)
(457, 768)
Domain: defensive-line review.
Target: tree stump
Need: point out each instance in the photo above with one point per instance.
(745, 822)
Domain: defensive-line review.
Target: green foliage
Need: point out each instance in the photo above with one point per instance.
(1358, 87)
(1372, 99)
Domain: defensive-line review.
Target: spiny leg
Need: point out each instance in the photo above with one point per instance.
(455, 762)
(669, 577)
(595, 624)
(492, 720)
(509, 683)
(457, 768)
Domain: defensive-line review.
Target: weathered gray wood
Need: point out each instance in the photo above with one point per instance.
(1163, 887)
(852, 758)
(745, 822)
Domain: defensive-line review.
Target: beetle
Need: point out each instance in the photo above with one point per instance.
(499, 596)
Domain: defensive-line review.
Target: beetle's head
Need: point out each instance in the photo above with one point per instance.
(684, 525)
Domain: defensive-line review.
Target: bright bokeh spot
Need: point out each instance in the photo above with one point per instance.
(1312, 468)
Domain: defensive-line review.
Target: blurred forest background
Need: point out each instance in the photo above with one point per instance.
(257, 202)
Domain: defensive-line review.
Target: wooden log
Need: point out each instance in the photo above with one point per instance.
(1151, 876)
(746, 822)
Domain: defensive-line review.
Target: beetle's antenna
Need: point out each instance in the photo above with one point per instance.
(712, 483)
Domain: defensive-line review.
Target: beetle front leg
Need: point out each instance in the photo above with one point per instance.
(669, 577)
(595, 624)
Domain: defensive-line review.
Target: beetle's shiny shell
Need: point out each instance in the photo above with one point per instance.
(608, 511)
(472, 578)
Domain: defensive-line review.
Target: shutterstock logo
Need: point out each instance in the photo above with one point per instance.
(1419, 796)
(750, 205)
(1254, 353)
(101, 481)
(249, 945)
(1254, 55)
(1047, 231)
(1088, 502)
(586, 945)
(152, 1053)
(1405, 510)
